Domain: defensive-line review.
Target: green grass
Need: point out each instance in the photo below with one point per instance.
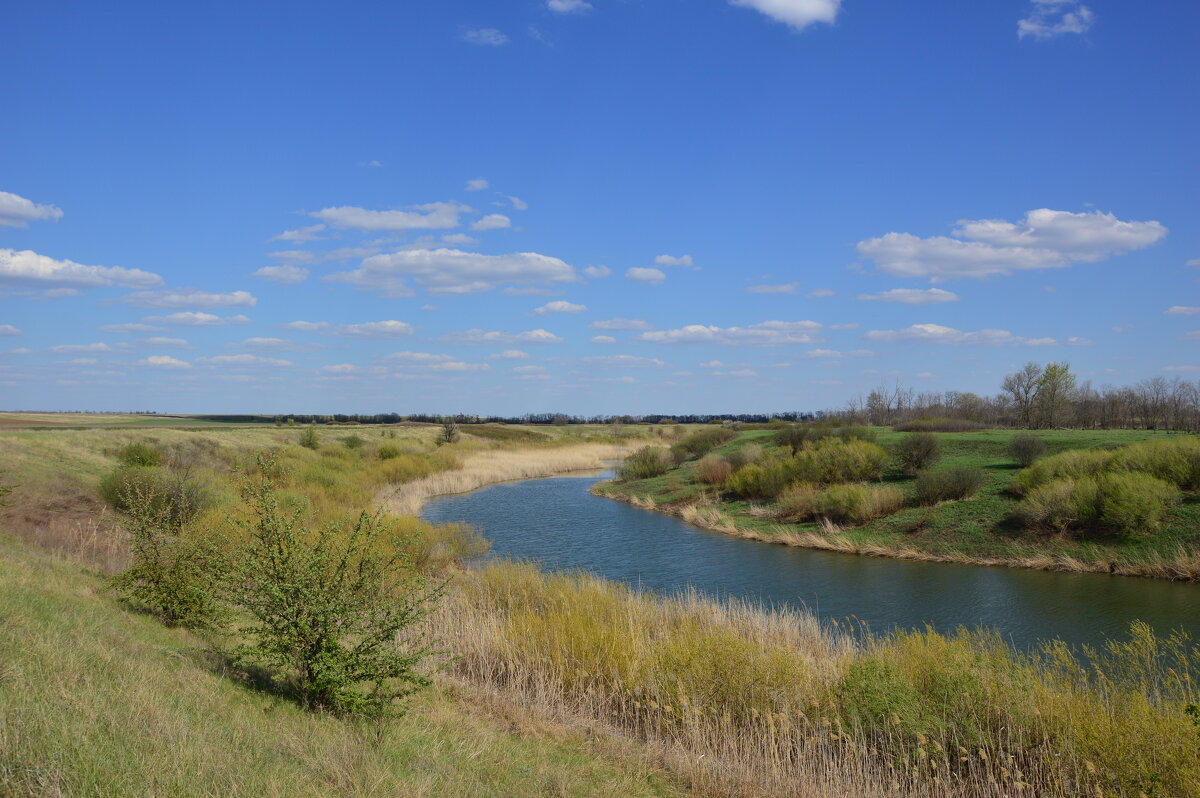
(981, 528)
(96, 701)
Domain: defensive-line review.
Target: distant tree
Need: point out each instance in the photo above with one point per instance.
(449, 432)
(1022, 388)
(1055, 393)
(308, 438)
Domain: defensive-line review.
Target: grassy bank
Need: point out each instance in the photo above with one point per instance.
(982, 529)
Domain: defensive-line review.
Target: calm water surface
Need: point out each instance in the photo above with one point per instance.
(557, 523)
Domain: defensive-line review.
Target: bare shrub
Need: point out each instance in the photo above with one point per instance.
(713, 470)
(1026, 449)
(917, 451)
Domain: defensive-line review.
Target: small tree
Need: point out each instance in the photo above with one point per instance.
(792, 436)
(918, 450)
(449, 432)
(1026, 449)
(332, 608)
(308, 438)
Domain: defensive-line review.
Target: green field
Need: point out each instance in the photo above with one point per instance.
(981, 529)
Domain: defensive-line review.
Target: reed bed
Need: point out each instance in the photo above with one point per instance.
(497, 465)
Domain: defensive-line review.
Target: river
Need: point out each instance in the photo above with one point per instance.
(557, 523)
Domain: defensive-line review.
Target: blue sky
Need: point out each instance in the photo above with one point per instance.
(591, 207)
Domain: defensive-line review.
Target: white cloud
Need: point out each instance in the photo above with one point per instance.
(56, 293)
(1076, 341)
(493, 221)
(308, 233)
(644, 275)
(558, 306)
(374, 329)
(936, 333)
(786, 288)
(160, 341)
(341, 368)
(623, 361)
(509, 354)
(1193, 263)
(195, 319)
(242, 360)
(418, 358)
(1123, 328)
(165, 362)
(767, 333)
(286, 275)
(454, 271)
(568, 6)
(833, 354)
(528, 369)
(518, 203)
(602, 339)
(711, 364)
(1181, 310)
(1189, 369)
(671, 260)
(305, 326)
(620, 324)
(500, 338)
(821, 293)
(1050, 18)
(851, 326)
(129, 328)
(190, 298)
(27, 268)
(735, 373)
(458, 365)
(459, 239)
(529, 291)
(68, 348)
(797, 14)
(274, 344)
(8, 329)
(16, 211)
(478, 184)
(431, 216)
(597, 271)
(912, 296)
(485, 36)
(1044, 239)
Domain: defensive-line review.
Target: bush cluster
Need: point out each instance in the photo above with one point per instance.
(700, 443)
(387, 452)
(140, 454)
(174, 499)
(832, 460)
(1175, 461)
(917, 451)
(948, 483)
(1123, 501)
(859, 504)
(647, 462)
(713, 470)
(1026, 449)
(939, 425)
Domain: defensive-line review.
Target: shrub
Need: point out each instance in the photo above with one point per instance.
(387, 452)
(1125, 502)
(761, 480)
(939, 425)
(917, 451)
(950, 482)
(713, 470)
(449, 433)
(1176, 461)
(792, 436)
(140, 454)
(1026, 449)
(647, 462)
(353, 442)
(173, 499)
(308, 438)
(799, 502)
(858, 503)
(743, 456)
(1050, 507)
(835, 460)
(703, 441)
(332, 609)
(1073, 464)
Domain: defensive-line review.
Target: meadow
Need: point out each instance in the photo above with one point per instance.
(983, 528)
(546, 684)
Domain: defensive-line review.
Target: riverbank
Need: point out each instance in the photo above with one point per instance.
(980, 530)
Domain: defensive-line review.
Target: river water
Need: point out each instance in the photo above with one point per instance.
(557, 523)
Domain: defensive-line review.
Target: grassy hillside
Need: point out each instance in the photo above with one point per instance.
(981, 529)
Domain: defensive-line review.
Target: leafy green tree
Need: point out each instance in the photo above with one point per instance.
(1055, 393)
(308, 438)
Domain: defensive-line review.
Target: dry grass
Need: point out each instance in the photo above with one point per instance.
(497, 465)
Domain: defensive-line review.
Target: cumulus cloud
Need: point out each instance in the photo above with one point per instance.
(129, 328)
(833, 354)
(767, 333)
(459, 239)
(645, 275)
(1181, 310)
(602, 339)
(518, 203)
(1044, 239)
(27, 268)
(478, 184)
(624, 361)
(459, 365)
(453, 271)
(431, 216)
(786, 288)
(242, 360)
(286, 275)
(418, 358)
(558, 306)
(509, 354)
(568, 6)
(936, 333)
(485, 36)
(672, 260)
(8, 329)
(797, 14)
(1076, 341)
(305, 326)
(1050, 18)
(341, 368)
(597, 271)
(499, 338)
(308, 233)
(197, 319)
(373, 329)
(912, 296)
(620, 324)
(164, 362)
(16, 211)
(69, 348)
(190, 298)
(493, 221)
(161, 341)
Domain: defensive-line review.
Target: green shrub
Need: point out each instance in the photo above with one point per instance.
(332, 610)
(174, 499)
(703, 441)
(948, 483)
(858, 503)
(743, 456)
(140, 454)
(1125, 502)
(713, 470)
(647, 462)
(1026, 449)
(764, 480)
(1175, 461)
(792, 436)
(387, 452)
(835, 460)
(799, 502)
(353, 442)
(1051, 507)
(308, 438)
(1073, 464)
(939, 425)
(918, 451)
